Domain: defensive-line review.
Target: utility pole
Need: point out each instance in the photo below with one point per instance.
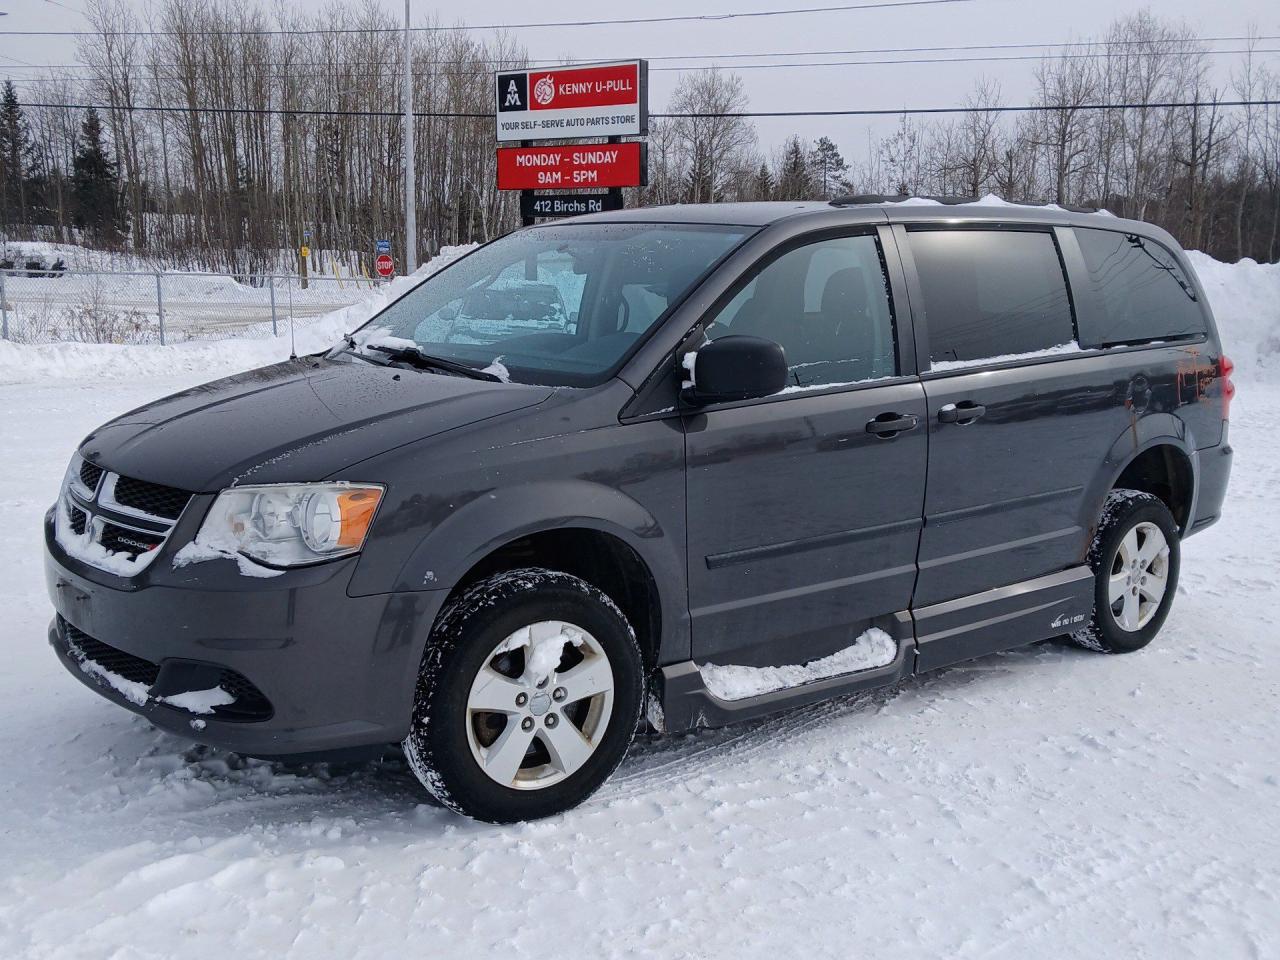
(410, 177)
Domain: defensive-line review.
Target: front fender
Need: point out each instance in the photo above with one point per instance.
(495, 519)
(499, 517)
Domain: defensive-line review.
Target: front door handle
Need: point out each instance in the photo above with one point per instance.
(889, 425)
(961, 413)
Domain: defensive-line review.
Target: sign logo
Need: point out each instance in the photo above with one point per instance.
(544, 91)
(1062, 620)
(384, 265)
(513, 91)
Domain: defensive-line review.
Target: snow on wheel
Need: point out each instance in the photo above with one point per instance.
(1134, 557)
(540, 705)
(528, 696)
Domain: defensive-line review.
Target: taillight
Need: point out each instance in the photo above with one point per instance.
(1225, 369)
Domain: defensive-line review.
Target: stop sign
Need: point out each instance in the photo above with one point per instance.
(385, 265)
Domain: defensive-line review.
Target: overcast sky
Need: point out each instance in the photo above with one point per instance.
(865, 86)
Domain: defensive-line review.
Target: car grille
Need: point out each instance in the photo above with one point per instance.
(119, 539)
(250, 703)
(123, 514)
(90, 474)
(122, 664)
(167, 502)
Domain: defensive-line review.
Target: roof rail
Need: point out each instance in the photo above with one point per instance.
(864, 199)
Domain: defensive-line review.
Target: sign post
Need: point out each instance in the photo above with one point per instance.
(604, 100)
(382, 262)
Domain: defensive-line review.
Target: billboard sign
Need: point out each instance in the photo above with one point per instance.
(560, 103)
(572, 167)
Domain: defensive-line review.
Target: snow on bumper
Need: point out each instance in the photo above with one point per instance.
(338, 672)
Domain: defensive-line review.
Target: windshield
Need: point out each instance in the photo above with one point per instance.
(558, 305)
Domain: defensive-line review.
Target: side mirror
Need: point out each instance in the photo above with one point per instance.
(734, 368)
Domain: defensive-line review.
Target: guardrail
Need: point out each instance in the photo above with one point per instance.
(92, 306)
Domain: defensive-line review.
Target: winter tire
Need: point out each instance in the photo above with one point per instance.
(528, 697)
(1134, 557)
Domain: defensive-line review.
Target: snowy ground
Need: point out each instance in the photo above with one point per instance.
(1042, 803)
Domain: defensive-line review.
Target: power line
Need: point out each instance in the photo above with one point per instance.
(1104, 45)
(558, 61)
(742, 114)
(619, 21)
(142, 79)
(344, 70)
(919, 60)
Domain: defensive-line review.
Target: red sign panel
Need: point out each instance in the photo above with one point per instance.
(385, 265)
(611, 85)
(579, 165)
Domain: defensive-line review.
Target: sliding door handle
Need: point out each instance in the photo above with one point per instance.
(961, 413)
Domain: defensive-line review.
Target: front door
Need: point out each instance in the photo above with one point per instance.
(805, 507)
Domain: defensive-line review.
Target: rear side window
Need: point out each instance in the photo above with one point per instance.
(991, 294)
(1141, 292)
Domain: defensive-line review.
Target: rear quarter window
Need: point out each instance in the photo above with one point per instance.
(991, 294)
(1140, 292)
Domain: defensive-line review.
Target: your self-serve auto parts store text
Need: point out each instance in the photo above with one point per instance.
(601, 102)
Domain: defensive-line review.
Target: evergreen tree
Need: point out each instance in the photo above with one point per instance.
(762, 188)
(795, 180)
(17, 160)
(829, 170)
(95, 192)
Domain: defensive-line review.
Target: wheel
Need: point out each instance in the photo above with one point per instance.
(1134, 557)
(528, 696)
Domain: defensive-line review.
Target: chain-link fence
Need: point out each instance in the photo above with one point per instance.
(47, 306)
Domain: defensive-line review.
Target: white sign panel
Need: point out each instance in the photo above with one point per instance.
(556, 103)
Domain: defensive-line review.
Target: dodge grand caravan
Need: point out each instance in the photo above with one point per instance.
(680, 466)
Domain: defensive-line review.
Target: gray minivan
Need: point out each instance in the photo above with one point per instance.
(676, 466)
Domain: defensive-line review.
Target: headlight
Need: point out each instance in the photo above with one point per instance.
(285, 524)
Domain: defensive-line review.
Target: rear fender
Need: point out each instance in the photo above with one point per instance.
(1153, 430)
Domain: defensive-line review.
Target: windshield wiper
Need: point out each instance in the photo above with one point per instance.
(424, 361)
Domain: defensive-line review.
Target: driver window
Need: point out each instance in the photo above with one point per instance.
(827, 304)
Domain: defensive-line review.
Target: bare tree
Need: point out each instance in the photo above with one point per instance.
(709, 141)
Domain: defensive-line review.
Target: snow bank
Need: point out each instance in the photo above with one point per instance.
(1245, 297)
(22, 363)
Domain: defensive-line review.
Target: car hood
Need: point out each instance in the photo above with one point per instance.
(297, 421)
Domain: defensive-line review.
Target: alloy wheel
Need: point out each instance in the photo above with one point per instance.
(1139, 576)
(539, 705)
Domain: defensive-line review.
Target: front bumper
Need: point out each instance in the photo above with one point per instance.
(338, 672)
